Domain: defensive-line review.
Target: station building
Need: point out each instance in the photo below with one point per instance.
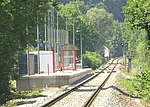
(54, 66)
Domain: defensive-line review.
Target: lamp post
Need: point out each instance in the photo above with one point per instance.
(57, 31)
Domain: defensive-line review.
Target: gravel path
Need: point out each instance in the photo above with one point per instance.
(114, 95)
(107, 97)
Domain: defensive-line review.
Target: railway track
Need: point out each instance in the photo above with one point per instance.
(88, 88)
(93, 96)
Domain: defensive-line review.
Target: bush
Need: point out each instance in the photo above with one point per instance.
(142, 57)
(92, 59)
(143, 84)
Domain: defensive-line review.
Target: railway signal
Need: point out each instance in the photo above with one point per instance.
(125, 48)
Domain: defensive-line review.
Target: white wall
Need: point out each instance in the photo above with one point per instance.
(46, 61)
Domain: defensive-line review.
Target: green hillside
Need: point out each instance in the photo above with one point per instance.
(113, 6)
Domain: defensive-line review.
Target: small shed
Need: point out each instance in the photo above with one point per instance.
(106, 54)
(69, 56)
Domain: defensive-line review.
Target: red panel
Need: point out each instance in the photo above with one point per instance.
(74, 61)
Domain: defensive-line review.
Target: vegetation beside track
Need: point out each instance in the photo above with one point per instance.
(21, 98)
(92, 59)
(137, 84)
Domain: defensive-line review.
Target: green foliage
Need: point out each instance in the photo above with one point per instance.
(128, 84)
(113, 6)
(142, 84)
(139, 86)
(16, 16)
(96, 26)
(92, 59)
(142, 57)
(75, 13)
(101, 21)
(21, 98)
(137, 15)
(114, 38)
(27, 94)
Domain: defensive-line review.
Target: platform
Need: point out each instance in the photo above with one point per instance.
(60, 78)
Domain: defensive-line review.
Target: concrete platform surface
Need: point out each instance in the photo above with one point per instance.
(59, 78)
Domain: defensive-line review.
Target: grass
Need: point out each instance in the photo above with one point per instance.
(22, 97)
(10, 98)
(26, 94)
(127, 82)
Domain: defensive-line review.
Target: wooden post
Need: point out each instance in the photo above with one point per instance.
(48, 68)
(62, 59)
(53, 62)
(74, 60)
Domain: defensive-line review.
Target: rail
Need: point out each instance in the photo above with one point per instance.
(58, 98)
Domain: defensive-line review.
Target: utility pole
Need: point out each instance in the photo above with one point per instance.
(80, 31)
(124, 57)
(49, 29)
(58, 31)
(81, 48)
(45, 34)
(73, 33)
(28, 59)
(66, 41)
(38, 46)
(57, 35)
(125, 49)
(52, 35)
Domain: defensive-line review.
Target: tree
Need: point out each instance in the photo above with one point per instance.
(113, 6)
(115, 39)
(75, 12)
(16, 16)
(137, 14)
(101, 21)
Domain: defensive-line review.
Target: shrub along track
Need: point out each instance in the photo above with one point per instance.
(79, 94)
